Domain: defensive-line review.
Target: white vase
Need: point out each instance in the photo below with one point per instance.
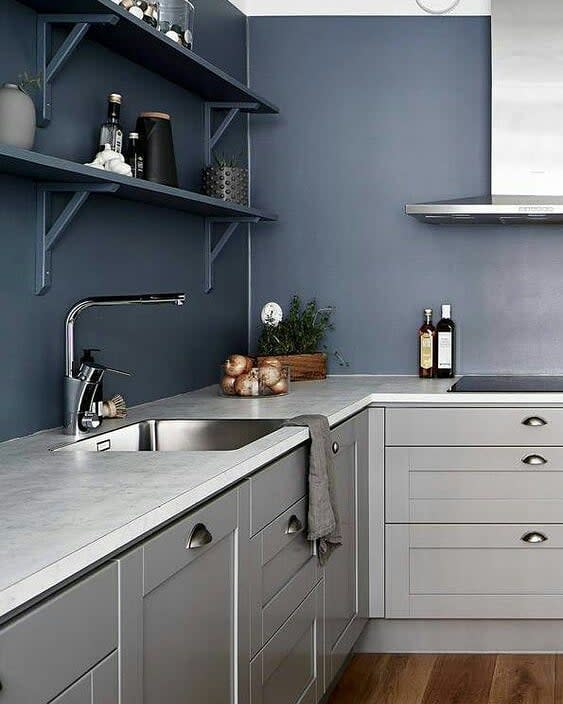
(17, 117)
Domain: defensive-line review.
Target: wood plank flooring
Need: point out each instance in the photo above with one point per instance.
(451, 679)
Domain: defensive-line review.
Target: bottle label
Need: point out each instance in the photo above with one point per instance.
(426, 351)
(444, 350)
(118, 141)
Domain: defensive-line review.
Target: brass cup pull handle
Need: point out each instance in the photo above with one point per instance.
(199, 537)
(534, 459)
(294, 525)
(534, 537)
(534, 421)
(335, 448)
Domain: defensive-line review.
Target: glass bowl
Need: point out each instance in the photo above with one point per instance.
(264, 381)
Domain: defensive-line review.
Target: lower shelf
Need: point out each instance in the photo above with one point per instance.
(58, 175)
(49, 169)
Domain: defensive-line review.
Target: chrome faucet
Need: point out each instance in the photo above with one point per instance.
(81, 412)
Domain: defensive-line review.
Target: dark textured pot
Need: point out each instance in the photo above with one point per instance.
(17, 117)
(227, 183)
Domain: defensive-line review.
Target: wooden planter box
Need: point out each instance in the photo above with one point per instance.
(304, 367)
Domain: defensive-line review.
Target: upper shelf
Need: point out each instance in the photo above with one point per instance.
(50, 169)
(139, 42)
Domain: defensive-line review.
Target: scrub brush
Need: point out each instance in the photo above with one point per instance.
(115, 407)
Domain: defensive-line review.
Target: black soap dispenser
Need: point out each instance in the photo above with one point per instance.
(88, 358)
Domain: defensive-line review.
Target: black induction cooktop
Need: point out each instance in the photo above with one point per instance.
(508, 384)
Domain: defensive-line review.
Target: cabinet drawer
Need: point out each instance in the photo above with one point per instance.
(474, 484)
(170, 551)
(47, 649)
(474, 571)
(290, 665)
(474, 426)
(276, 488)
(284, 570)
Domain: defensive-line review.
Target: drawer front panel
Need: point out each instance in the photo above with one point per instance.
(168, 552)
(474, 484)
(290, 665)
(276, 488)
(284, 569)
(474, 571)
(473, 426)
(49, 648)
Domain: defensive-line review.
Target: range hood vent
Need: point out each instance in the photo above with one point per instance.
(527, 122)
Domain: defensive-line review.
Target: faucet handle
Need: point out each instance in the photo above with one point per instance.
(117, 371)
(92, 371)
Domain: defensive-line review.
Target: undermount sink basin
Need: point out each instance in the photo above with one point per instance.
(177, 435)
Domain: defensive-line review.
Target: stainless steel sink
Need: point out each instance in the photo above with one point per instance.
(177, 435)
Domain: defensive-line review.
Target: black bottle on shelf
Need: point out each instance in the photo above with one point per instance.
(445, 345)
(135, 157)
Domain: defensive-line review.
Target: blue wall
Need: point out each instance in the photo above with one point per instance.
(377, 112)
(115, 247)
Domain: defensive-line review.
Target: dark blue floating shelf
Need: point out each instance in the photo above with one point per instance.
(139, 42)
(49, 169)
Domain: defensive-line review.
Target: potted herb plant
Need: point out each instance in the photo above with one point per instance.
(297, 338)
(226, 180)
(17, 112)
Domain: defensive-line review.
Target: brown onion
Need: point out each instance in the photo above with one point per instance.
(228, 385)
(236, 364)
(270, 362)
(269, 375)
(247, 384)
(281, 387)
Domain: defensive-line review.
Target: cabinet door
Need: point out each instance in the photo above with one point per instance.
(346, 581)
(97, 687)
(61, 641)
(178, 636)
(288, 670)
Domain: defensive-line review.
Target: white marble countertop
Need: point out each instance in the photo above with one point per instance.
(63, 513)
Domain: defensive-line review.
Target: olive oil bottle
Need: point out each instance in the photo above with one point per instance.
(426, 345)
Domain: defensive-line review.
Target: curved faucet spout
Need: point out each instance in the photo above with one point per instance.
(177, 299)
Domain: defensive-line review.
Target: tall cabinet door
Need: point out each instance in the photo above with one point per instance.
(178, 631)
(346, 580)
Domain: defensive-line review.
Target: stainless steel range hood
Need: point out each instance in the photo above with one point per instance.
(527, 122)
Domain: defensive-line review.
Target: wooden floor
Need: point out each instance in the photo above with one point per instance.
(451, 679)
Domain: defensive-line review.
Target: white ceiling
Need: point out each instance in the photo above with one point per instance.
(357, 7)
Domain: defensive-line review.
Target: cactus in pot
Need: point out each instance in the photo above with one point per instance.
(226, 180)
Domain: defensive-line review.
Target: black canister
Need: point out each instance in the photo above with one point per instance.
(155, 132)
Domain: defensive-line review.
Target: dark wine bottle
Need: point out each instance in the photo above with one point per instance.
(426, 343)
(112, 132)
(444, 355)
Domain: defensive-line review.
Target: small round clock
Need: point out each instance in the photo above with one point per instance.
(437, 7)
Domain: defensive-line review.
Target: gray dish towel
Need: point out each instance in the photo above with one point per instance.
(323, 522)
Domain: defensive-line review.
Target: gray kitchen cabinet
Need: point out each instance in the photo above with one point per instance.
(63, 650)
(179, 624)
(100, 686)
(289, 669)
(474, 571)
(434, 426)
(474, 484)
(346, 573)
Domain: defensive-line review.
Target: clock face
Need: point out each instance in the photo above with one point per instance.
(272, 314)
(437, 7)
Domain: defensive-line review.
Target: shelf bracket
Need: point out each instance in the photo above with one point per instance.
(47, 67)
(213, 251)
(47, 236)
(212, 136)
